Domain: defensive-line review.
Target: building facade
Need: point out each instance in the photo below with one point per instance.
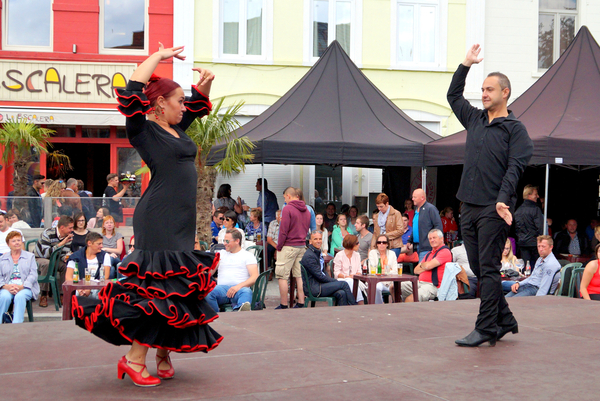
(60, 61)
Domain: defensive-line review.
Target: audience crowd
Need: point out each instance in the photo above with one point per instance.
(330, 247)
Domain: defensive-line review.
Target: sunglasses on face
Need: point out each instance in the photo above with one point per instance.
(382, 242)
(220, 218)
(228, 219)
(226, 241)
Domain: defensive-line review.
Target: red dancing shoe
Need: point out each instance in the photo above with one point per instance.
(164, 374)
(124, 367)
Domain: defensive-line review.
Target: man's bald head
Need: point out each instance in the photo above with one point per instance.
(418, 197)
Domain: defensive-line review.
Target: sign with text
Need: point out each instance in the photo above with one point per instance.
(45, 81)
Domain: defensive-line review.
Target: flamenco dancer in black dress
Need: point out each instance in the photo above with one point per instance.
(160, 304)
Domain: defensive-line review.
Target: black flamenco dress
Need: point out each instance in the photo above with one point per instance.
(160, 303)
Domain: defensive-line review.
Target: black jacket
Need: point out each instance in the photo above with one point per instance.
(496, 153)
(35, 207)
(563, 240)
(529, 223)
(312, 264)
(429, 218)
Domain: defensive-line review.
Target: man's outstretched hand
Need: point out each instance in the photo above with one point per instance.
(503, 212)
(473, 56)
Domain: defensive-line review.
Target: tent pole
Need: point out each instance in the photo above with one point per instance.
(424, 180)
(546, 200)
(264, 233)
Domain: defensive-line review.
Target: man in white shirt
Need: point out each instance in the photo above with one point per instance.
(238, 270)
(5, 228)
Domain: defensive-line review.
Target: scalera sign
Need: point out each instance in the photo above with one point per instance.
(62, 82)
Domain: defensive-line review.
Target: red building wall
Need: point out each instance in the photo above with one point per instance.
(77, 22)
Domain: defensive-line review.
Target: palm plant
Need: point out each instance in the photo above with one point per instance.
(23, 142)
(217, 128)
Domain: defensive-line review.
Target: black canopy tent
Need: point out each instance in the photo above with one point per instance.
(560, 111)
(335, 115)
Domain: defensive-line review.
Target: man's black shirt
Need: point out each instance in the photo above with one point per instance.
(496, 153)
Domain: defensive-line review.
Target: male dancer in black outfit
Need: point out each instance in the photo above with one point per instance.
(497, 151)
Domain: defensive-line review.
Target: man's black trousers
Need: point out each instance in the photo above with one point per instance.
(484, 233)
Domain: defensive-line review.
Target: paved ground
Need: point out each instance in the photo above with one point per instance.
(396, 351)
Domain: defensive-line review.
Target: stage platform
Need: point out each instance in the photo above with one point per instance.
(372, 352)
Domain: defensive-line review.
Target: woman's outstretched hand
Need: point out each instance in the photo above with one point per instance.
(206, 76)
(170, 52)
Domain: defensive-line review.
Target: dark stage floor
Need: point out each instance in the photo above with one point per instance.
(392, 352)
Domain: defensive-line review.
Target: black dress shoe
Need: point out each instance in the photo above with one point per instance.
(475, 339)
(503, 330)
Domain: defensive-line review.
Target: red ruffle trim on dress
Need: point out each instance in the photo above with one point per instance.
(131, 103)
(199, 102)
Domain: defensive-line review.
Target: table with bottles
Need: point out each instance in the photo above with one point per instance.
(69, 289)
(373, 279)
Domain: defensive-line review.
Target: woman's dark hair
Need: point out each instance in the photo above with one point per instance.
(77, 216)
(345, 208)
(596, 250)
(224, 191)
(350, 241)
(386, 238)
(231, 215)
(323, 216)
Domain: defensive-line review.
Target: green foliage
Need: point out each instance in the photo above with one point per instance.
(20, 138)
(218, 128)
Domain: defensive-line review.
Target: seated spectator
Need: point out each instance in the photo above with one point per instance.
(382, 253)
(131, 245)
(320, 226)
(229, 224)
(340, 230)
(347, 263)
(96, 222)
(589, 230)
(79, 232)
(430, 270)
(254, 227)
(91, 256)
(590, 280)
(459, 255)
(50, 239)
(569, 241)
(216, 225)
(238, 270)
(321, 284)
(509, 260)
(407, 229)
(14, 219)
(364, 237)
(113, 243)
(448, 223)
(409, 210)
(330, 218)
(272, 238)
(543, 279)
(596, 239)
(352, 215)
(5, 229)
(18, 277)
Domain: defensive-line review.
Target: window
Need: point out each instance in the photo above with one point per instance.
(243, 29)
(556, 29)
(26, 29)
(418, 34)
(332, 20)
(123, 27)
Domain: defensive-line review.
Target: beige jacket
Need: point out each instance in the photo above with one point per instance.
(394, 227)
